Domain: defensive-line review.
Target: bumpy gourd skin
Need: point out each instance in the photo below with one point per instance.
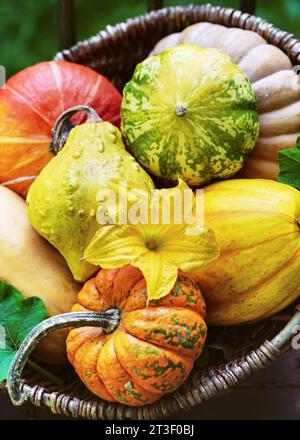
(256, 223)
(152, 351)
(62, 202)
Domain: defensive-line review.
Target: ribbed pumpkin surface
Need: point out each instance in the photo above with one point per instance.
(154, 348)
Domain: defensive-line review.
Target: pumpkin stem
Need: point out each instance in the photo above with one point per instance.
(108, 320)
(180, 110)
(64, 125)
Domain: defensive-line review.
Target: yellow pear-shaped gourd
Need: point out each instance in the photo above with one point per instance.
(66, 197)
(257, 225)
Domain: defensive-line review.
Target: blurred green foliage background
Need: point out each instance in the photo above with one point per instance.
(29, 28)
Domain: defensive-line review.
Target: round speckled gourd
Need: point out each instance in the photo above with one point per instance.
(190, 112)
(153, 349)
(275, 84)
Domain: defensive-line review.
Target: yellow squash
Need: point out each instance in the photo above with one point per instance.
(78, 190)
(35, 268)
(257, 225)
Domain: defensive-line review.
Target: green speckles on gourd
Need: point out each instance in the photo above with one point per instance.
(137, 396)
(203, 330)
(141, 374)
(89, 373)
(212, 137)
(159, 370)
(128, 385)
(121, 398)
(144, 352)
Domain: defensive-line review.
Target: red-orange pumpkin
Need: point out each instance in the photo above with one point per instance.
(30, 103)
(152, 351)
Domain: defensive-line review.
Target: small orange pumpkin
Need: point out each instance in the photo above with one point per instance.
(152, 351)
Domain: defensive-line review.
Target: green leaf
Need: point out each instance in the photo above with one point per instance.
(17, 319)
(289, 164)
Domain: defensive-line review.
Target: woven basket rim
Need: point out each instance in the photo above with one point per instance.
(287, 41)
(201, 385)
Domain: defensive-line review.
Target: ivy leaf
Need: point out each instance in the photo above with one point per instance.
(289, 164)
(17, 318)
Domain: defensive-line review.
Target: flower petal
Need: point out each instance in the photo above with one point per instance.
(192, 253)
(114, 246)
(159, 271)
(168, 203)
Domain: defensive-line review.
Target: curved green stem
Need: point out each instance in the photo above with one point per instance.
(63, 125)
(108, 321)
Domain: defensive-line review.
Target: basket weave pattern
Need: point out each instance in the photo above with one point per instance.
(114, 52)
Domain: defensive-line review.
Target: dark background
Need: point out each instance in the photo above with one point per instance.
(29, 28)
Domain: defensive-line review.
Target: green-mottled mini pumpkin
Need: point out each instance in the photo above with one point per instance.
(190, 112)
(153, 349)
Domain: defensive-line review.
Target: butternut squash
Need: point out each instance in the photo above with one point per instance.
(35, 268)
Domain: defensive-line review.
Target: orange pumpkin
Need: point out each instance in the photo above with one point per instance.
(152, 351)
(30, 103)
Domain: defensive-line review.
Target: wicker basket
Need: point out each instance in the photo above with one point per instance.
(114, 52)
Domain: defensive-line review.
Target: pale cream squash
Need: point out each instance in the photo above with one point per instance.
(35, 268)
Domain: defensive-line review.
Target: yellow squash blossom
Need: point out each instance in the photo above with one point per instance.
(156, 248)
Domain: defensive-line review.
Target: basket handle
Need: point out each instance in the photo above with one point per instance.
(64, 125)
(286, 335)
(108, 321)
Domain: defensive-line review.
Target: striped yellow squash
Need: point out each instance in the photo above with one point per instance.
(257, 225)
